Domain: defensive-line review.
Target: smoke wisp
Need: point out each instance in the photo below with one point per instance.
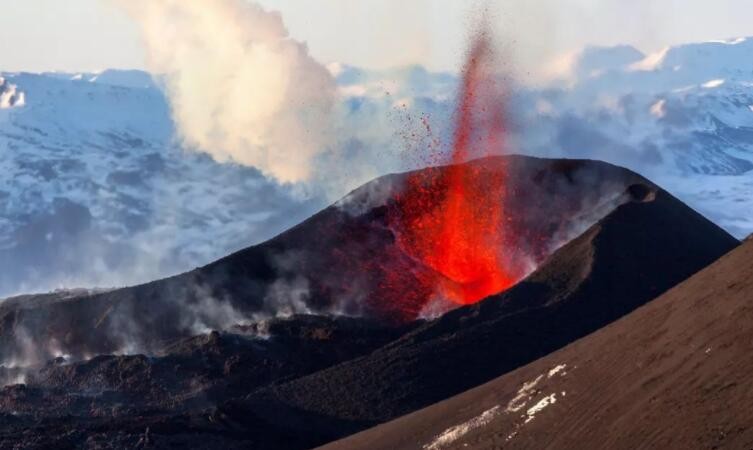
(240, 88)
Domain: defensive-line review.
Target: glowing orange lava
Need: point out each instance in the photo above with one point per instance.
(453, 219)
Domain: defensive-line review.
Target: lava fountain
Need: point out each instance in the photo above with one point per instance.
(454, 219)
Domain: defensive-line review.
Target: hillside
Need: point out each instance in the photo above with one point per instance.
(673, 374)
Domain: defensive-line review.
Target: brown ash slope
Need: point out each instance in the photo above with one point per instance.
(674, 374)
(335, 262)
(634, 254)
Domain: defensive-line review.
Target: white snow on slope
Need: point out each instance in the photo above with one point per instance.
(454, 433)
(712, 84)
(658, 109)
(540, 406)
(522, 398)
(524, 395)
(10, 97)
(557, 369)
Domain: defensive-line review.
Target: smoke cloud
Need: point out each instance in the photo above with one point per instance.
(240, 88)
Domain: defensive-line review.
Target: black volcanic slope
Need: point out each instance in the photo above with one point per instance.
(303, 381)
(675, 374)
(346, 245)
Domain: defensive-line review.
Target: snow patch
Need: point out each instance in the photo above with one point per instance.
(524, 394)
(735, 41)
(712, 84)
(540, 406)
(659, 109)
(452, 434)
(10, 96)
(651, 62)
(556, 370)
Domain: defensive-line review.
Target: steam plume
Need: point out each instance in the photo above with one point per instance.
(240, 88)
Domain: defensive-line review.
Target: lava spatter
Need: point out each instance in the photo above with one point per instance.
(454, 221)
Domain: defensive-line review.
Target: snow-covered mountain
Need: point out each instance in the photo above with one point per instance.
(96, 191)
(683, 116)
(690, 107)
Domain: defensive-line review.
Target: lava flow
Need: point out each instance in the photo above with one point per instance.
(454, 220)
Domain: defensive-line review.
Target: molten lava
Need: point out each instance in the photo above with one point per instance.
(454, 219)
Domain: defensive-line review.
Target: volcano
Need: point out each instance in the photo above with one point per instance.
(356, 258)
(383, 335)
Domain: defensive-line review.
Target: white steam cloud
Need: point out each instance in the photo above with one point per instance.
(240, 88)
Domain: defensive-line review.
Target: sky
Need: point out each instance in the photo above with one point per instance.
(89, 35)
